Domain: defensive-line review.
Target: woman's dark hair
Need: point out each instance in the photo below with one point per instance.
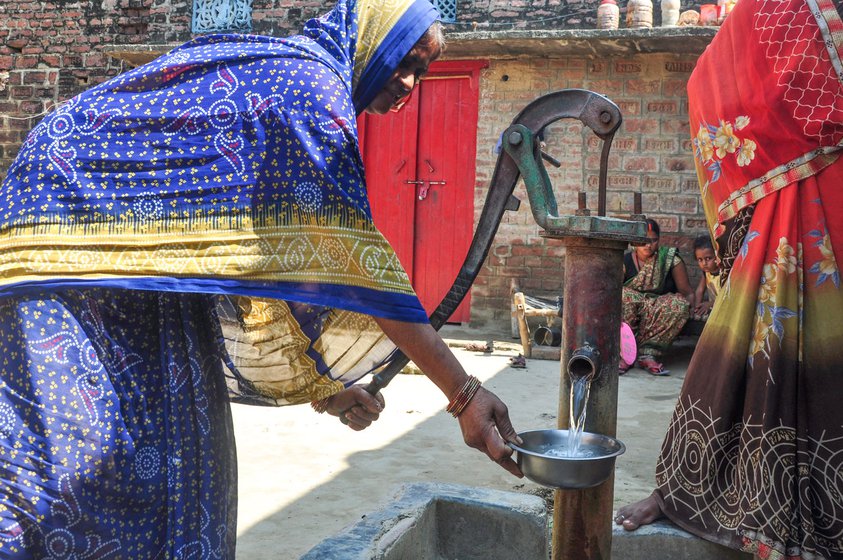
(653, 225)
(703, 242)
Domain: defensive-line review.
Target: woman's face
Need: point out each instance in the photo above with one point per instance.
(648, 249)
(405, 78)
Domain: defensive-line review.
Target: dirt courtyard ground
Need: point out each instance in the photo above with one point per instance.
(304, 476)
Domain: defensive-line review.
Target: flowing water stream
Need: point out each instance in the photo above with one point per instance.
(580, 389)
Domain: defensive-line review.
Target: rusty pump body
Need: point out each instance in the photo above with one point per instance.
(592, 291)
(591, 312)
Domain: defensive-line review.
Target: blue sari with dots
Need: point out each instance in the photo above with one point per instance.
(192, 230)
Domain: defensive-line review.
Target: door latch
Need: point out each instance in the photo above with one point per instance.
(425, 188)
(422, 188)
(423, 191)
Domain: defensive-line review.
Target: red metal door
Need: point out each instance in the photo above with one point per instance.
(420, 165)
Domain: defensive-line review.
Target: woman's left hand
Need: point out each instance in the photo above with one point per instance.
(486, 427)
(702, 308)
(692, 303)
(356, 407)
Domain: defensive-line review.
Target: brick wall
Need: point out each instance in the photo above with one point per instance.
(526, 14)
(650, 154)
(52, 50)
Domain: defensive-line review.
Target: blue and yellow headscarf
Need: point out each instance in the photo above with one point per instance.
(387, 29)
(230, 165)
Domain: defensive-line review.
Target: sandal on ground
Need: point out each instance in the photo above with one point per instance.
(478, 347)
(651, 366)
(518, 361)
(623, 367)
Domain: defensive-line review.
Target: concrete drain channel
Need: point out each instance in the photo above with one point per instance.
(429, 521)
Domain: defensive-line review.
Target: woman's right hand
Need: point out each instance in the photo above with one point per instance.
(486, 427)
(485, 420)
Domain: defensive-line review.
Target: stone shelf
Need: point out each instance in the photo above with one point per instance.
(579, 42)
(520, 43)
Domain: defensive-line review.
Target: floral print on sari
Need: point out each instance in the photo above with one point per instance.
(712, 144)
(769, 323)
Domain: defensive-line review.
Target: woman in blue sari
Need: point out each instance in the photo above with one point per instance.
(195, 229)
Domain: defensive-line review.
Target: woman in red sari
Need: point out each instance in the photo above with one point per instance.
(752, 458)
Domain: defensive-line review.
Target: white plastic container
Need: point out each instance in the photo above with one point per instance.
(670, 12)
(608, 15)
(639, 13)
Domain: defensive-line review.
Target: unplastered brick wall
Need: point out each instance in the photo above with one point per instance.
(285, 17)
(52, 50)
(525, 14)
(651, 154)
(49, 51)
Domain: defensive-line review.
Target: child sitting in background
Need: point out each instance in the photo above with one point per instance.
(710, 282)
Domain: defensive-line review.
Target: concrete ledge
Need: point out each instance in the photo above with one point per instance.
(665, 541)
(438, 521)
(593, 43)
(689, 40)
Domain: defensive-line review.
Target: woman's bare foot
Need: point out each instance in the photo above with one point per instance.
(640, 513)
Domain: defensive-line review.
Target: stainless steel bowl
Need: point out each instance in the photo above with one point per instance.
(539, 463)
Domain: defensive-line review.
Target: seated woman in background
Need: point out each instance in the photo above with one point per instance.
(651, 306)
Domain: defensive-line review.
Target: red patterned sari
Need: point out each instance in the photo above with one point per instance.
(753, 458)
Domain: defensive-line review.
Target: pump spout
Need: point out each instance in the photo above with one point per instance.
(584, 362)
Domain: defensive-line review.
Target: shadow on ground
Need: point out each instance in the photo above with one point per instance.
(303, 476)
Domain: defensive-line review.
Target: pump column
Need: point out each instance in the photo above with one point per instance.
(591, 319)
